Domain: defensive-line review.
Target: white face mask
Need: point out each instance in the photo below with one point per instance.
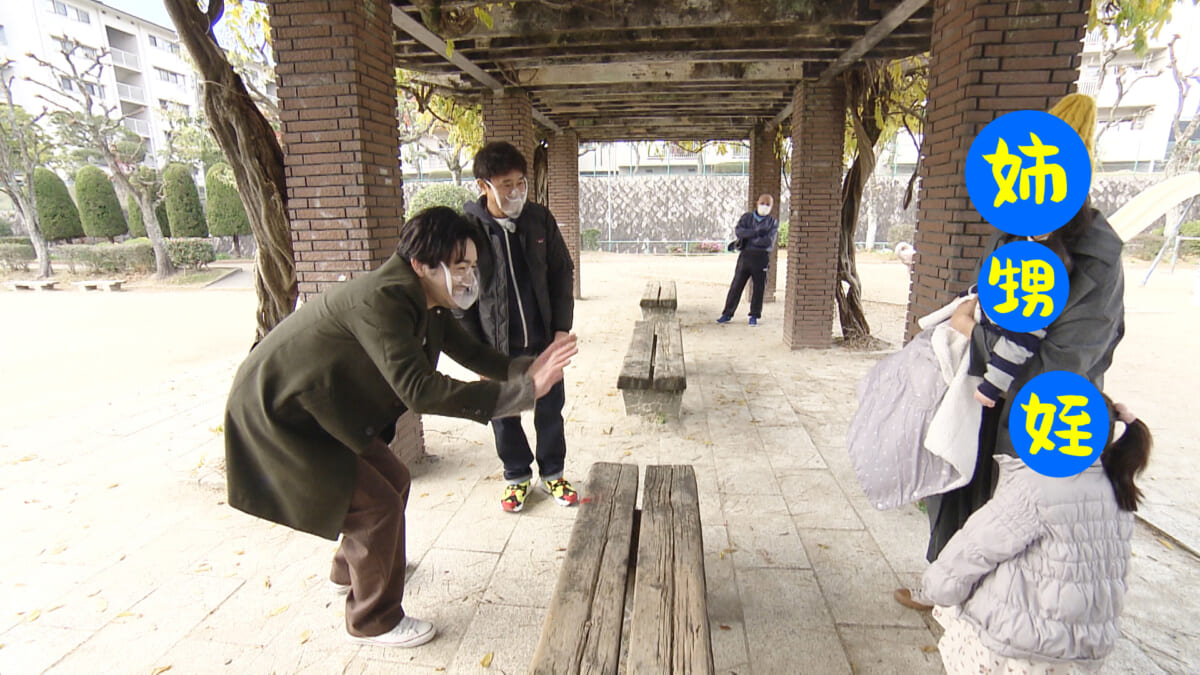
(764, 210)
(462, 288)
(514, 202)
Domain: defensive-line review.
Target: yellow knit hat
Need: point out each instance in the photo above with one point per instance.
(1079, 111)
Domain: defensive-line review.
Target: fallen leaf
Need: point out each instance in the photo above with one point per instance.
(26, 458)
(628, 453)
(305, 636)
(159, 670)
(267, 582)
(124, 615)
(94, 593)
(607, 432)
(277, 611)
(822, 546)
(102, 606)
(486, 662)
(929, 649)
(203, 567)
(1, 645)
(54, 608)
(33, 616)
(239, 552)
(113, 486)
(424, 494)
(724, 627)
(58, 549)
(1169, 545)
(449, 494)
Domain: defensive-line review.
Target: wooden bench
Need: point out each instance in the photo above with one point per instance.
(653, 377)
(662, 546)
(35, 285)
(659, 300)
(108, 285)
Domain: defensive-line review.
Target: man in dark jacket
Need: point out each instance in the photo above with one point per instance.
(527, 302)
(755, 237)
(315, 403)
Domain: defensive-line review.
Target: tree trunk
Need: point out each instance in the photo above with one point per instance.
(539, 182)
(255, 156)
(237, 247)
(849, 294)
(28, 211)
(162, 260)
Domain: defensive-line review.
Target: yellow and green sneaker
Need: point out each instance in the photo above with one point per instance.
(514, 496)
(562, 491)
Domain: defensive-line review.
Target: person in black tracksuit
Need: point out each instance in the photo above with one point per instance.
(526, 302)
(755, 237)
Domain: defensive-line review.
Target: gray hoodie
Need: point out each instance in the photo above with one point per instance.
(1040, 569)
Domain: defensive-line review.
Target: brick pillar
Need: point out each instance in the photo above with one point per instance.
(764, 178)
(564, 192)
(818, 126)
(987, 58)
(337, 102)
(510, 118)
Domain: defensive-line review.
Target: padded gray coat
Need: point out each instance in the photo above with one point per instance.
(1040, 569)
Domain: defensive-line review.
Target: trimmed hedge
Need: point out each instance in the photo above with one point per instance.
(99, 209)
(1192, 229)
(135, 255)
(17, 256)
(137, 228)
(183, 203)
(439, 194)
(16, 240)
(193, 252)
(226, 214)
(57, 213)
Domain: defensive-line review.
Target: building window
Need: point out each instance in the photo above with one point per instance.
(65, 83)
(95, 90)
(169, 76)
(174, 106)
(165, 45)
(82, 16)
(59, 8)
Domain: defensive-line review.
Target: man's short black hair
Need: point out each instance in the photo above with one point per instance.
(498, 158)
(436, 235)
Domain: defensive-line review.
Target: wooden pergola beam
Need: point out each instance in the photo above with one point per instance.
(426, 37)
(889, 23)
(695, 71)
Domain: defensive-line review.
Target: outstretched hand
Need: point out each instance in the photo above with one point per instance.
(547, 370)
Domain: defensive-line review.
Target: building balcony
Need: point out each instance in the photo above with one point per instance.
(124, 59)
(139, 127)
(1089, 87)
(130, 93)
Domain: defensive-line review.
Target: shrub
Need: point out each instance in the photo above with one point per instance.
(17, 256)
(16, 240)
(57, 213)
(183, 203)
(1191, 229)
(591, 239)
(135, 255)
(1146, 244)
(6, 228)
(782, 240)
(193, 252)
(226, 214)
(99, 208)
(902, 232)
(439, 194)
(137, 228)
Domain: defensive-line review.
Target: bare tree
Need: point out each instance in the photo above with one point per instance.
(19, 141)
(249, 142)
(84, 121)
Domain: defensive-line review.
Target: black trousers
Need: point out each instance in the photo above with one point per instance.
(752, 266)
(949, 512)
(513, 446)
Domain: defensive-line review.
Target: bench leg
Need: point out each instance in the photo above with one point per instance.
(650, 403)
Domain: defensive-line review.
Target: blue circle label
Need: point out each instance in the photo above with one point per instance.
(1023, 286)
(1059, 424)
(1028, 173)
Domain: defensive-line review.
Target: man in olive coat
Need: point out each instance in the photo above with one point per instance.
(315, 403)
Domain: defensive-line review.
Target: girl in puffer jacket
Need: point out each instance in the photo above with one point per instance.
(1034, 582)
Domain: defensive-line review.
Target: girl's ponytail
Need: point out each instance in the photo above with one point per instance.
(1126, 457)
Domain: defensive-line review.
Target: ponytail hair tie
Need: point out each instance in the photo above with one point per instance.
(1124, 414)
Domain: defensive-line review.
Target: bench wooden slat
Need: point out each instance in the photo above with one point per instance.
(669, 372)
(669, 631)
(582, 631)
(666, 296)
(650, 295)
(635, 372)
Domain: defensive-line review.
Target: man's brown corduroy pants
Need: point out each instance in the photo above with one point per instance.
(371, 555)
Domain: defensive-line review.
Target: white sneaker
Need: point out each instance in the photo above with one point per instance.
(339, 589)
(408, 633)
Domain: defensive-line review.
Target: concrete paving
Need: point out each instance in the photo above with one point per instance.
(123, 557)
